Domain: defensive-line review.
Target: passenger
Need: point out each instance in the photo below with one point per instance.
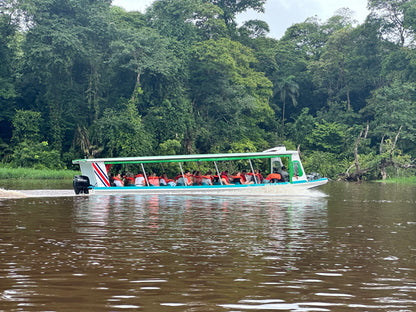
(207, 178)
(139, 180)
(180, 181)
(247, 177)
(259, 177)
(284, 174)
(165, 181)
(154, 180)
(197, 178)
(111, 179)
(250, 177)
(128, 179)
(273, 178)
(117, 180)
(225, 179)
(237, 178)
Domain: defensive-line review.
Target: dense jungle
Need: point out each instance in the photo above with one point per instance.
(84, 78)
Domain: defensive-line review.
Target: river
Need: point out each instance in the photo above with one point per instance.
(345, 247)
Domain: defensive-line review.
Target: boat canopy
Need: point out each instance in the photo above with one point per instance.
(186, 158)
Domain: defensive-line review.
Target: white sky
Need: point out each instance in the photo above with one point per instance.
(280, 14)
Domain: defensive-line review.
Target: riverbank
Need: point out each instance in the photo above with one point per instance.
(38, 174)
(402, 180)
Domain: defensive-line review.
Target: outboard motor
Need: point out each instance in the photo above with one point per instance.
(81, 184)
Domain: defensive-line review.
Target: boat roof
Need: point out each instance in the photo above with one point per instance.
(271, 153)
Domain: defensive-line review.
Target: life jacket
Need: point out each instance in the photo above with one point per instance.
(154, 181)
(274, 176)
(129, 181)
(223, 176)
(237, 179)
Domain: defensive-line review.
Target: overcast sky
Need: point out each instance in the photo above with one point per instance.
(280, 14)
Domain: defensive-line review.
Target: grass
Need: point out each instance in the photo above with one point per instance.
(401, 180)
(29, 173)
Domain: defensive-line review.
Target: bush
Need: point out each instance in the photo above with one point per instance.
(36, 155)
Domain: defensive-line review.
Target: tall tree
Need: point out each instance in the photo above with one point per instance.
(391, 13)
(60, 54)
(287, 88)
(230, 8)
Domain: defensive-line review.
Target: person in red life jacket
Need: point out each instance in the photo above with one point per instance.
(273, 178)
(128, 180)
(154, 179)
(225, 178)
(207, 178)
(180, 181)
(237, 178)
(197, 178)
(117, 180)
(165, 181)
(259, 177)
(139, 180)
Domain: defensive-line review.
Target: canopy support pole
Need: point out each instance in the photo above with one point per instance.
(252, 170)
(145, 175)
(218, 172)
(183, 176)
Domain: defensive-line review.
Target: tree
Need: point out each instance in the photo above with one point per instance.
(187, 20)
(121, 132)
(287, 88)
(61, 50)
(9, 47)
(392, 107)
(230, 8)
(227, 91)
(391, 13)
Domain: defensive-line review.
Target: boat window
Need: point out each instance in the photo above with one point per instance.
(297, 169)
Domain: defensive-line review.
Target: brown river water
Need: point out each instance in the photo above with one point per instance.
(343, 247)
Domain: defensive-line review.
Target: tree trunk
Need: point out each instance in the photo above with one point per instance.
(357, 164)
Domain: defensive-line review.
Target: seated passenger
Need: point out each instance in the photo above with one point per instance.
(207, 178)
(237, 178)
(259, 177)
(128, 179)
(225, 178)
(247, 177)
(273, 178)
(153, 179)
(111, 179)
(284, 174)
(197, 180)
(139, 180)
(184, 180)
(165, 181)
(117, 180)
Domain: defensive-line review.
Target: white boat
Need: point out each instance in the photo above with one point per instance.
(95, 178)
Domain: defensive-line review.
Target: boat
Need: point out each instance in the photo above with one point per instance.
(95, 179)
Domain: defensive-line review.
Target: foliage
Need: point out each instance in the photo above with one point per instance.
(121, 133)
(29, 173)
(92, 79)
(36, 155)
(327, 164)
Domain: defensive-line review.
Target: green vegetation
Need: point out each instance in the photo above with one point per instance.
(405, 180)
(28, 173)
(88, 79)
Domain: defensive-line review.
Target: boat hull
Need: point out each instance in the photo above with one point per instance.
(242, 189)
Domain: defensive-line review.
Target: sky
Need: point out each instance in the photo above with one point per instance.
(280, 14)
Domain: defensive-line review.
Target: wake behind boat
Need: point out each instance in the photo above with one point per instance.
(95, 176)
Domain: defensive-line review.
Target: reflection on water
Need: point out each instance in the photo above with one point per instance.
(351, 251)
